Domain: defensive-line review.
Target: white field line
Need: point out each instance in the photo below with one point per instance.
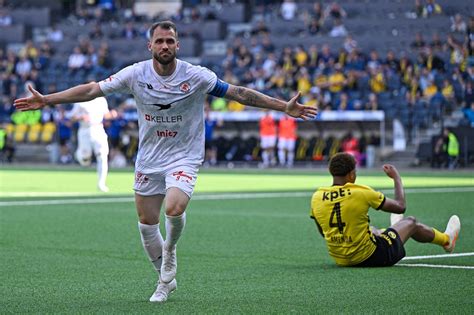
(438, 256)
(435, 266)
(224, 196)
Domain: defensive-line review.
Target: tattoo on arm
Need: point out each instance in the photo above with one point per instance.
(253, 98)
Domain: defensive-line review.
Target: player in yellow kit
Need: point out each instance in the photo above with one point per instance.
(341, 215)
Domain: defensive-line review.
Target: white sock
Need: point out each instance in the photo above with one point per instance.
(291, 158)
(152, 243)
(281, 156)
(102, 169)
(174, 227)
(265, 157)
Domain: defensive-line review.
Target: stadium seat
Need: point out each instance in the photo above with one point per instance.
(47, 135)
(34, 133)
(20, 132)
(10, 128)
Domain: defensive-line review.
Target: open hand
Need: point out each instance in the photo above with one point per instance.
(35, 101)
(297, 110)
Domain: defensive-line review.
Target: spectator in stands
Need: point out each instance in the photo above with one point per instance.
(374, 62)
(448, 91)
(96, 32)
(335, 11)
(303, 81)
(267, 44)
(260, 29)
(287, 135)
(431, 8)
(344, 103)
(377, 80)
(469, 114)
(268, 137)
(129, 31)
(431, 61)
(288, 10)
(23, 66)
(457, 24)
(5, 18)
(336, 80)
(76, 61)
(436, 43)
(29, 50)
(419, 8)
(338, 30)
(45, 54)
(372, 102)
(55, 34)
(350, 44)
(391, 62)
(419, 42)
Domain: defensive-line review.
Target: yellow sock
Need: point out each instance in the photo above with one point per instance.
(440, 238)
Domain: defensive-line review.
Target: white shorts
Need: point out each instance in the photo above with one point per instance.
(182, 177)
(92, 140)
(286, 144)
(267, 142)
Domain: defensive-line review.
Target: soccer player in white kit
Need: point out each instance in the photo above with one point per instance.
(170, 97)
(91, 136)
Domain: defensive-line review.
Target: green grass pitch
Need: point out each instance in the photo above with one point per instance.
(249, 247)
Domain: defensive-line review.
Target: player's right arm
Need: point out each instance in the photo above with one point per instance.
(397, 205)
(80, 93)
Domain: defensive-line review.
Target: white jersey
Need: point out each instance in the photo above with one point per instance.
(170, 112)
(95, 109)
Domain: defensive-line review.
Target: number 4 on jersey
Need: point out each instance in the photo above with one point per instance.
(336, 211)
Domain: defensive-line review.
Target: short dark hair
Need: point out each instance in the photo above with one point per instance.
(166, 25)
(341, 164)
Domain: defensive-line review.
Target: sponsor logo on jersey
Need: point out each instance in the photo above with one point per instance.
(182, 176)
(141, 178)
(166, 133)
(144, 84)
(109, 79)
(185, 87)
(163, 119)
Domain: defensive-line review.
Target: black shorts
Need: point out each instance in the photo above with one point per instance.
(388, 252)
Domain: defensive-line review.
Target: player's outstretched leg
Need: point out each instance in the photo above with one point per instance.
(410, 227)
(174, 227)
(452, 230)
(152, 243)
(163, 290)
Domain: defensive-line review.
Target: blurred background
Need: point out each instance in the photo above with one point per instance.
(393, 80)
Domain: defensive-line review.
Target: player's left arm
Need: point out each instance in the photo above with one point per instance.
(254, 98)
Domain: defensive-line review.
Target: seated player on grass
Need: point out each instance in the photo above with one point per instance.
(341, 215)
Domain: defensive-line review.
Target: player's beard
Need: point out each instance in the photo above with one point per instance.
(164, 60)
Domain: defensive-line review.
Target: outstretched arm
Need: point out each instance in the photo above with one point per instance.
(253, 98)
(398, 205)
(80, 93)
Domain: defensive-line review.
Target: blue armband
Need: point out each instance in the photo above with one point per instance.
(219, 89)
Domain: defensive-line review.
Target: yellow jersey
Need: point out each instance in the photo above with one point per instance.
(342, 215)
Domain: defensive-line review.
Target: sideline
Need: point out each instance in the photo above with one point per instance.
(222, 196)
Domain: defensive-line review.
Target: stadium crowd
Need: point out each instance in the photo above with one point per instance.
(417, 86)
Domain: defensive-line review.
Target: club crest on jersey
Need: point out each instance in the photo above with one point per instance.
(185, 87)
